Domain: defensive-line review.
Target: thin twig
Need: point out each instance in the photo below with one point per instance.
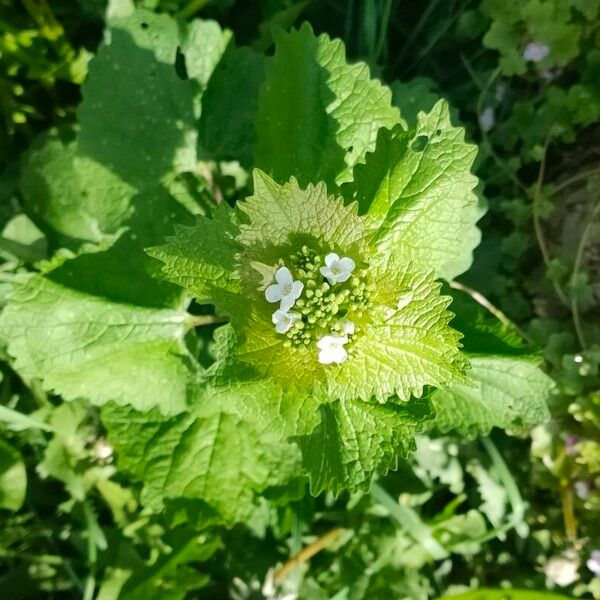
(576, 267)
(566, 498)
(192, 8)
(307, 553)
(479, 108)
(576, 178)
(537, 225)
(481, 299)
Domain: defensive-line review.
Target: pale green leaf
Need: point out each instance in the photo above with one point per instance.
(84, 345)
(103, 325)
(203, 45)
(317, 115)
(13, 478)
(419, 184)
(226, 450)
(505, 386)
(281, 216)
(407, 344)
(504, 392)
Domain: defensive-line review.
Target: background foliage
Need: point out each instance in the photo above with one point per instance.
(523, 78)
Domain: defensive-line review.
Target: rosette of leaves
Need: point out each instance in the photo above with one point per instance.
(338, 173)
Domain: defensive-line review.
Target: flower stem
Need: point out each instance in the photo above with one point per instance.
(483, 301)
(201, 320)
(307, 553)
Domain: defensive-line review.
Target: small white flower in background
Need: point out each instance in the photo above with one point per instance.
(562, 570)
(336, 269)
(536, 51)
(593, 563)
(270, 592)
(487, 119)
(286, 291)
(283, 320)
(331, 349)
(582, 489)
(102, 450)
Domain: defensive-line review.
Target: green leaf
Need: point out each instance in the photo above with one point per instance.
(201, 258)
(506, 594)
(403, 341)
(84, 345)
(174, 574)
(276, 214)
(102, 325)
(138, 117)
(419, 184)
(402, 349)
(70, 196)
(226, 450)
(357, 440)
(21, 238)
(502, 392)
(414, 96)
(506, 387)
(317, 115)
(203, 45)
(13, 478)
(227, 124)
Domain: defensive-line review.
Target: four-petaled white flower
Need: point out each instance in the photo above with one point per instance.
(593, 562)
(336, 269)
(283, 320)
(286, 291)
(331, 349)
(562, 570)
(536, 51)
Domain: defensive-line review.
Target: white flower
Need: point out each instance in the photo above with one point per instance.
(562, 570)
(331, 349)
(536, 51)
(286, 290)
(593, 563)
(102, 450)
(283, 320)
(582, 489)
(336, 269)
(487, 119)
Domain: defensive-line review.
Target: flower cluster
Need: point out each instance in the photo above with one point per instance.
(324, 295)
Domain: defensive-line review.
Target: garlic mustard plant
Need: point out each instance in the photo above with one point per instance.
(344, 327)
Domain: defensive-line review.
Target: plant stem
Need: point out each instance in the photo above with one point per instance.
(383, 29)
(307, 553)
(576, 267)
(483, 301)
(42, 14)
(192, 8)
(566, 498)
(578, 177)
(411, 522)
(537, 225)
(201, 320)
(510, 485)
